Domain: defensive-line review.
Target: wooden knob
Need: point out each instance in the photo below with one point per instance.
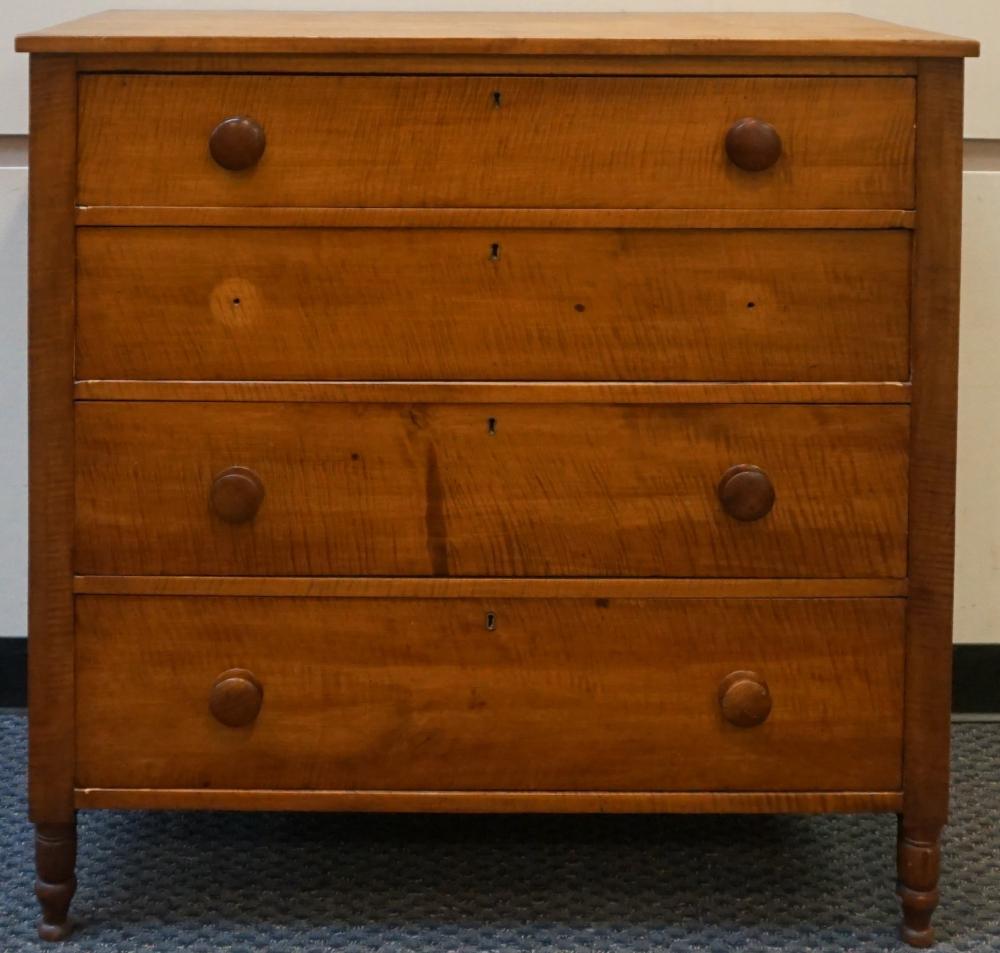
(236, 698)
(237, 143)
(744, 699)
(753, 145)
(746, 492)
(236, 495)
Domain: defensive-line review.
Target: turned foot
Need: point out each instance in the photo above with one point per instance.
(918, 863)
(55, 861)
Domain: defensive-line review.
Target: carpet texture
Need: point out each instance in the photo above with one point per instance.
(435, 884)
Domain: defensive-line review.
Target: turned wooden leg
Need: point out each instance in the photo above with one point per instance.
(55, 863)
(919, 861)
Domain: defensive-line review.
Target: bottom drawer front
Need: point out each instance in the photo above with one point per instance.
(475, 694)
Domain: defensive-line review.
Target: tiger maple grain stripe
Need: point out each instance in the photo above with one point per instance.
(418, 694)
(490, 802)
(437, 588)
(511, 64)
(190, 216)
(273, 304)
(51, 293)
(936, 294)
(505, 392)
(558, 490)
(506, 33)
(441, 141)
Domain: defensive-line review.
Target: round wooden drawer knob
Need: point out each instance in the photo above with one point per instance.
(744, 699)
(237, 143)
(236, 698)
(236, 495)
(753, 145)
(746, 492)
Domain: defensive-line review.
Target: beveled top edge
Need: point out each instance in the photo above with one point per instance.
(649, 34)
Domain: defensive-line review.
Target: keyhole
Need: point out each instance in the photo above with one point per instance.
(236, 302)
(495, 251)
(491, 426)
(491, 621)
(496, 99)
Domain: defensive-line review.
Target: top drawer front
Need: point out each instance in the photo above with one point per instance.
(528, 142)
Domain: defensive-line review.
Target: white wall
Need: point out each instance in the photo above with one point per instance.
(977, 559)
(13, 402)
(977, 617)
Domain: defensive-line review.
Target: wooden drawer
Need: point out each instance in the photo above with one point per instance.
(481, 490)
(406, 141)
(571, 694)
(424, 304)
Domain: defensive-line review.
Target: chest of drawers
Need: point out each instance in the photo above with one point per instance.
(492, 413)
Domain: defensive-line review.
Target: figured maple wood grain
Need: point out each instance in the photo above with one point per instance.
(51, 269)
(438, 588)
(417, 694)
(502, 392)
(444, 141)
(536, 64)
(933, 448)
(487, 566)
(473, 802)
(274, 304)
(518, 218)
(720, 34)
(554, 490)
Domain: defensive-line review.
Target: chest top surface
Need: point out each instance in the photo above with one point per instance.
(653, 34)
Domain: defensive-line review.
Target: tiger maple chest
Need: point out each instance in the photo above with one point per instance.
(492, 412)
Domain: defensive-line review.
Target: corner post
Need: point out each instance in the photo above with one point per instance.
(51, 319)
(934, 371)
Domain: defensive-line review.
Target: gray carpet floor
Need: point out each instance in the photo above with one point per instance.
(431, 884)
